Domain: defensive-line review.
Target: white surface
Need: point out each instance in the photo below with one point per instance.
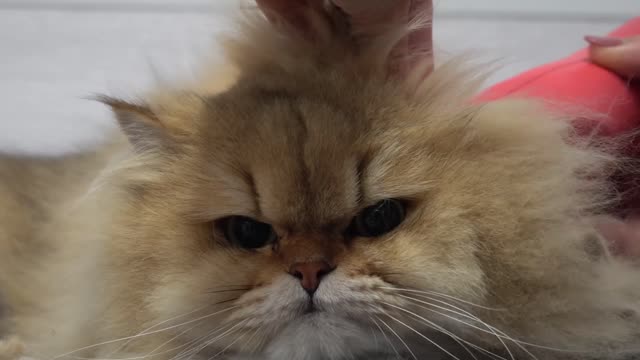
(619, 8)
(555, 8)
(51, 59)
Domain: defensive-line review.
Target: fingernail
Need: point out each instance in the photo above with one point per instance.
(602, 41)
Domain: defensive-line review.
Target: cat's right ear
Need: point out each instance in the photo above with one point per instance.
(139, 123)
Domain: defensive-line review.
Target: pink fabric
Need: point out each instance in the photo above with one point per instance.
(574, 80)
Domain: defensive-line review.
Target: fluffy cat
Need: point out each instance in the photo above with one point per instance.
(317, 206)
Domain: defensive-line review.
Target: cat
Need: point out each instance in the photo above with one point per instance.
(316, 205)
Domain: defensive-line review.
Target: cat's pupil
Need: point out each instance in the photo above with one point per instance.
(380, 218)
(248, 233)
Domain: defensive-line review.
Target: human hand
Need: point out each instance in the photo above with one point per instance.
(367, 18)
(616, 54)
(621, 55)
(623, 236)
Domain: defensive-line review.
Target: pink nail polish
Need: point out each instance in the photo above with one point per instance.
(602, 41)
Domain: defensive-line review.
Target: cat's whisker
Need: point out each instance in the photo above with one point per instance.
(522, 344)
(416, 331)
(469, 315)
(386, 337)
(232, 330)
(227, 290)
(210, 342)
(150, 332)
(193, 345)
(439, 301)
(198, 344)
(543, 347)
(460, 341)
(492, 330)
(509, 338)
(154, 351)
(461, 312)
(398, 336)
(375, 336)
(257, 344)
(151, 353)
(229, 287)
(255, 332)
(137, 357)
(455, 337)
(155, 326)
(435, 293)
(422, 336)
(228, 346)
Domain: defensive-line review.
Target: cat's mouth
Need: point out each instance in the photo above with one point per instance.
(310, 308)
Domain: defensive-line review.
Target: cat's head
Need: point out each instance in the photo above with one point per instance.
(326, 207)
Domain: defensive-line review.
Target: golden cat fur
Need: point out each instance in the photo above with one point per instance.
(496, 254)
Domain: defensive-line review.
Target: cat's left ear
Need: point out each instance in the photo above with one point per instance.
(142, 126)
(407, 23)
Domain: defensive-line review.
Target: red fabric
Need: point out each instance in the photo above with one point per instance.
(574, 80)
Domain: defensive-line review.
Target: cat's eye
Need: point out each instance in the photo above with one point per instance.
(247, 233)
(379, 219)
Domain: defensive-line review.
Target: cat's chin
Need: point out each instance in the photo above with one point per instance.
(323, 335)
(316, 334)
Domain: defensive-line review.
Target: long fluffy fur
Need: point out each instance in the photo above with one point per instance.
(105, 245)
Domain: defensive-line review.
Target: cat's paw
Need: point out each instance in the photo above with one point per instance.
(11, 348)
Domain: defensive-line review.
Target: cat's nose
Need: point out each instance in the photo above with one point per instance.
(310, 274)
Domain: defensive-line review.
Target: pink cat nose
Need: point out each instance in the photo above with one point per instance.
(310, 273)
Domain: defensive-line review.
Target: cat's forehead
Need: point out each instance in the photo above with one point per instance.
(301, 156)
(274, 120)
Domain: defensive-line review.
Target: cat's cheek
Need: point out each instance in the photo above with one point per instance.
(385, 258)
(210, 279)
(357, 261)
(268, 273)
(407, 260)
(350, 295)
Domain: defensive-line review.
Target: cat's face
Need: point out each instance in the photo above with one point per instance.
(290, 221)
(352, 206)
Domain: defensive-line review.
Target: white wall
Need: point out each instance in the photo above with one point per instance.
(569, 8)
(53, 53)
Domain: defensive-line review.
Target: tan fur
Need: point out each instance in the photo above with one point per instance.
(103, 246)
(11, 349)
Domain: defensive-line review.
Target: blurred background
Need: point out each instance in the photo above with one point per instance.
(55, 53)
